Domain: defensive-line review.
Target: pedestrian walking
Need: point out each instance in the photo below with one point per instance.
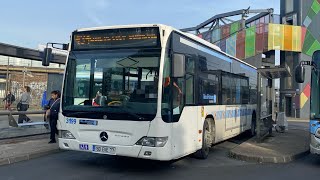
(23, 104)
(52, 113)
(9, 99)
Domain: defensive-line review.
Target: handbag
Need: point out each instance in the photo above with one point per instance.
(47, 115)
(19, 106)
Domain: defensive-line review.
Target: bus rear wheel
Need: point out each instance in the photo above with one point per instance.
(203, 153)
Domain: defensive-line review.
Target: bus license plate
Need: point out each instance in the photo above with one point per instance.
(104, 149)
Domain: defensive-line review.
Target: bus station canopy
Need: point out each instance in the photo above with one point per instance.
(274, 72)
(26, 53)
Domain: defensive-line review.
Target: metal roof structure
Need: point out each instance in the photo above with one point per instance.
(214, 21)
(27, 53)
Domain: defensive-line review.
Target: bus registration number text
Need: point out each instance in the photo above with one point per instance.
(104, 149)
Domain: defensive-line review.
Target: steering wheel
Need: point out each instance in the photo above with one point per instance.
(81, 103)
(115, 103)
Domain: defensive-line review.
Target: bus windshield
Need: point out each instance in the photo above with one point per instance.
(112, 84)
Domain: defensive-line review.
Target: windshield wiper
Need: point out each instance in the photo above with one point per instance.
(133, 114)
(99, 115)
(79, 114)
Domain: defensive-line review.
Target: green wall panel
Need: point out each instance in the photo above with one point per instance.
(250, 41)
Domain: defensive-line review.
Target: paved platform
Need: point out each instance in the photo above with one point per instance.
(12, 132)
(21, 149)
(279, 148)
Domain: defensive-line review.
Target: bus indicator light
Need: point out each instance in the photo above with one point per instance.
(202, 111)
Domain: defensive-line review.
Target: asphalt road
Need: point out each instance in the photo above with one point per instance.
(84, 166)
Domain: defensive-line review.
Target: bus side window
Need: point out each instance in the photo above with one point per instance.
(226, 89)
(189, 89)
(190, 70)
(209, 90)
(244, 91)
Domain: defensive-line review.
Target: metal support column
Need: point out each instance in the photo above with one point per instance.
(258, 113)
(7, 78)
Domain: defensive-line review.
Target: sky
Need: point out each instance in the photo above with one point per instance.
(33, 22)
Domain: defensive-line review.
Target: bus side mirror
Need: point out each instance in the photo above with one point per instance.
(299, 74)
(47, 57)
(65, 47)
(178, 65)
(316, 56)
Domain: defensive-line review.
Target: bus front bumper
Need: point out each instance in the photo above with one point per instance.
(136, 151)
(315, 145)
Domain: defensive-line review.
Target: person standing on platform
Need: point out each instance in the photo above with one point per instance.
(25, 100)
(52, 114)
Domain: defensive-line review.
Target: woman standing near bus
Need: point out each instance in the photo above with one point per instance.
(25, 100)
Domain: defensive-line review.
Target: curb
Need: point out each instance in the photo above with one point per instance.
(261, 159)
(25, 157)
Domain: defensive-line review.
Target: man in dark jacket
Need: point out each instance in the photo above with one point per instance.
(53, 107)
(10, 98)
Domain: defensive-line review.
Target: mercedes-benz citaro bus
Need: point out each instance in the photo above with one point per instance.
(152, 92)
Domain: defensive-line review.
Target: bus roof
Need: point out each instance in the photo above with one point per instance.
(189, 35)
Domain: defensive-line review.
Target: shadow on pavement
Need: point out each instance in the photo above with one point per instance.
(218, 155)
(118, 163)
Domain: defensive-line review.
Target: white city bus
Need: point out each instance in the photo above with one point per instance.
(152, 92)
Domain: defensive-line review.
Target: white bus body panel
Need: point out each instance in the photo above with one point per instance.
(123, 135)
(120, 134)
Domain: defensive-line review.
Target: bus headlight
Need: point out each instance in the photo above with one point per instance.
(153, 141)
(317, 133)
(66, 134)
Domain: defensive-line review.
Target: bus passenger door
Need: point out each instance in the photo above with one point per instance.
(243, 118)
(184, 113)
(230, 121)
(233, 121)
(237, 122)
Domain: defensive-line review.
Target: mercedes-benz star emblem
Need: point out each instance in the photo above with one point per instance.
(103, 136)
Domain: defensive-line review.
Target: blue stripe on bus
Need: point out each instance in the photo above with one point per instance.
(247, 68)
(205, 49)
(209, 51)
(232, 113)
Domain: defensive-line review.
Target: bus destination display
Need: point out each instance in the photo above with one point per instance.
(116, 38)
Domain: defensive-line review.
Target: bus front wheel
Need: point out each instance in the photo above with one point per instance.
(206, 142)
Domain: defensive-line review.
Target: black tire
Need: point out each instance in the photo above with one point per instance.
(203, 153)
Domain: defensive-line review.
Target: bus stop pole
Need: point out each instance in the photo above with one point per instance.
(258, 113)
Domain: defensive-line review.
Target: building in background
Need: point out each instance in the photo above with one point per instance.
(295, 97)
(16, 72)
(264, 38)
